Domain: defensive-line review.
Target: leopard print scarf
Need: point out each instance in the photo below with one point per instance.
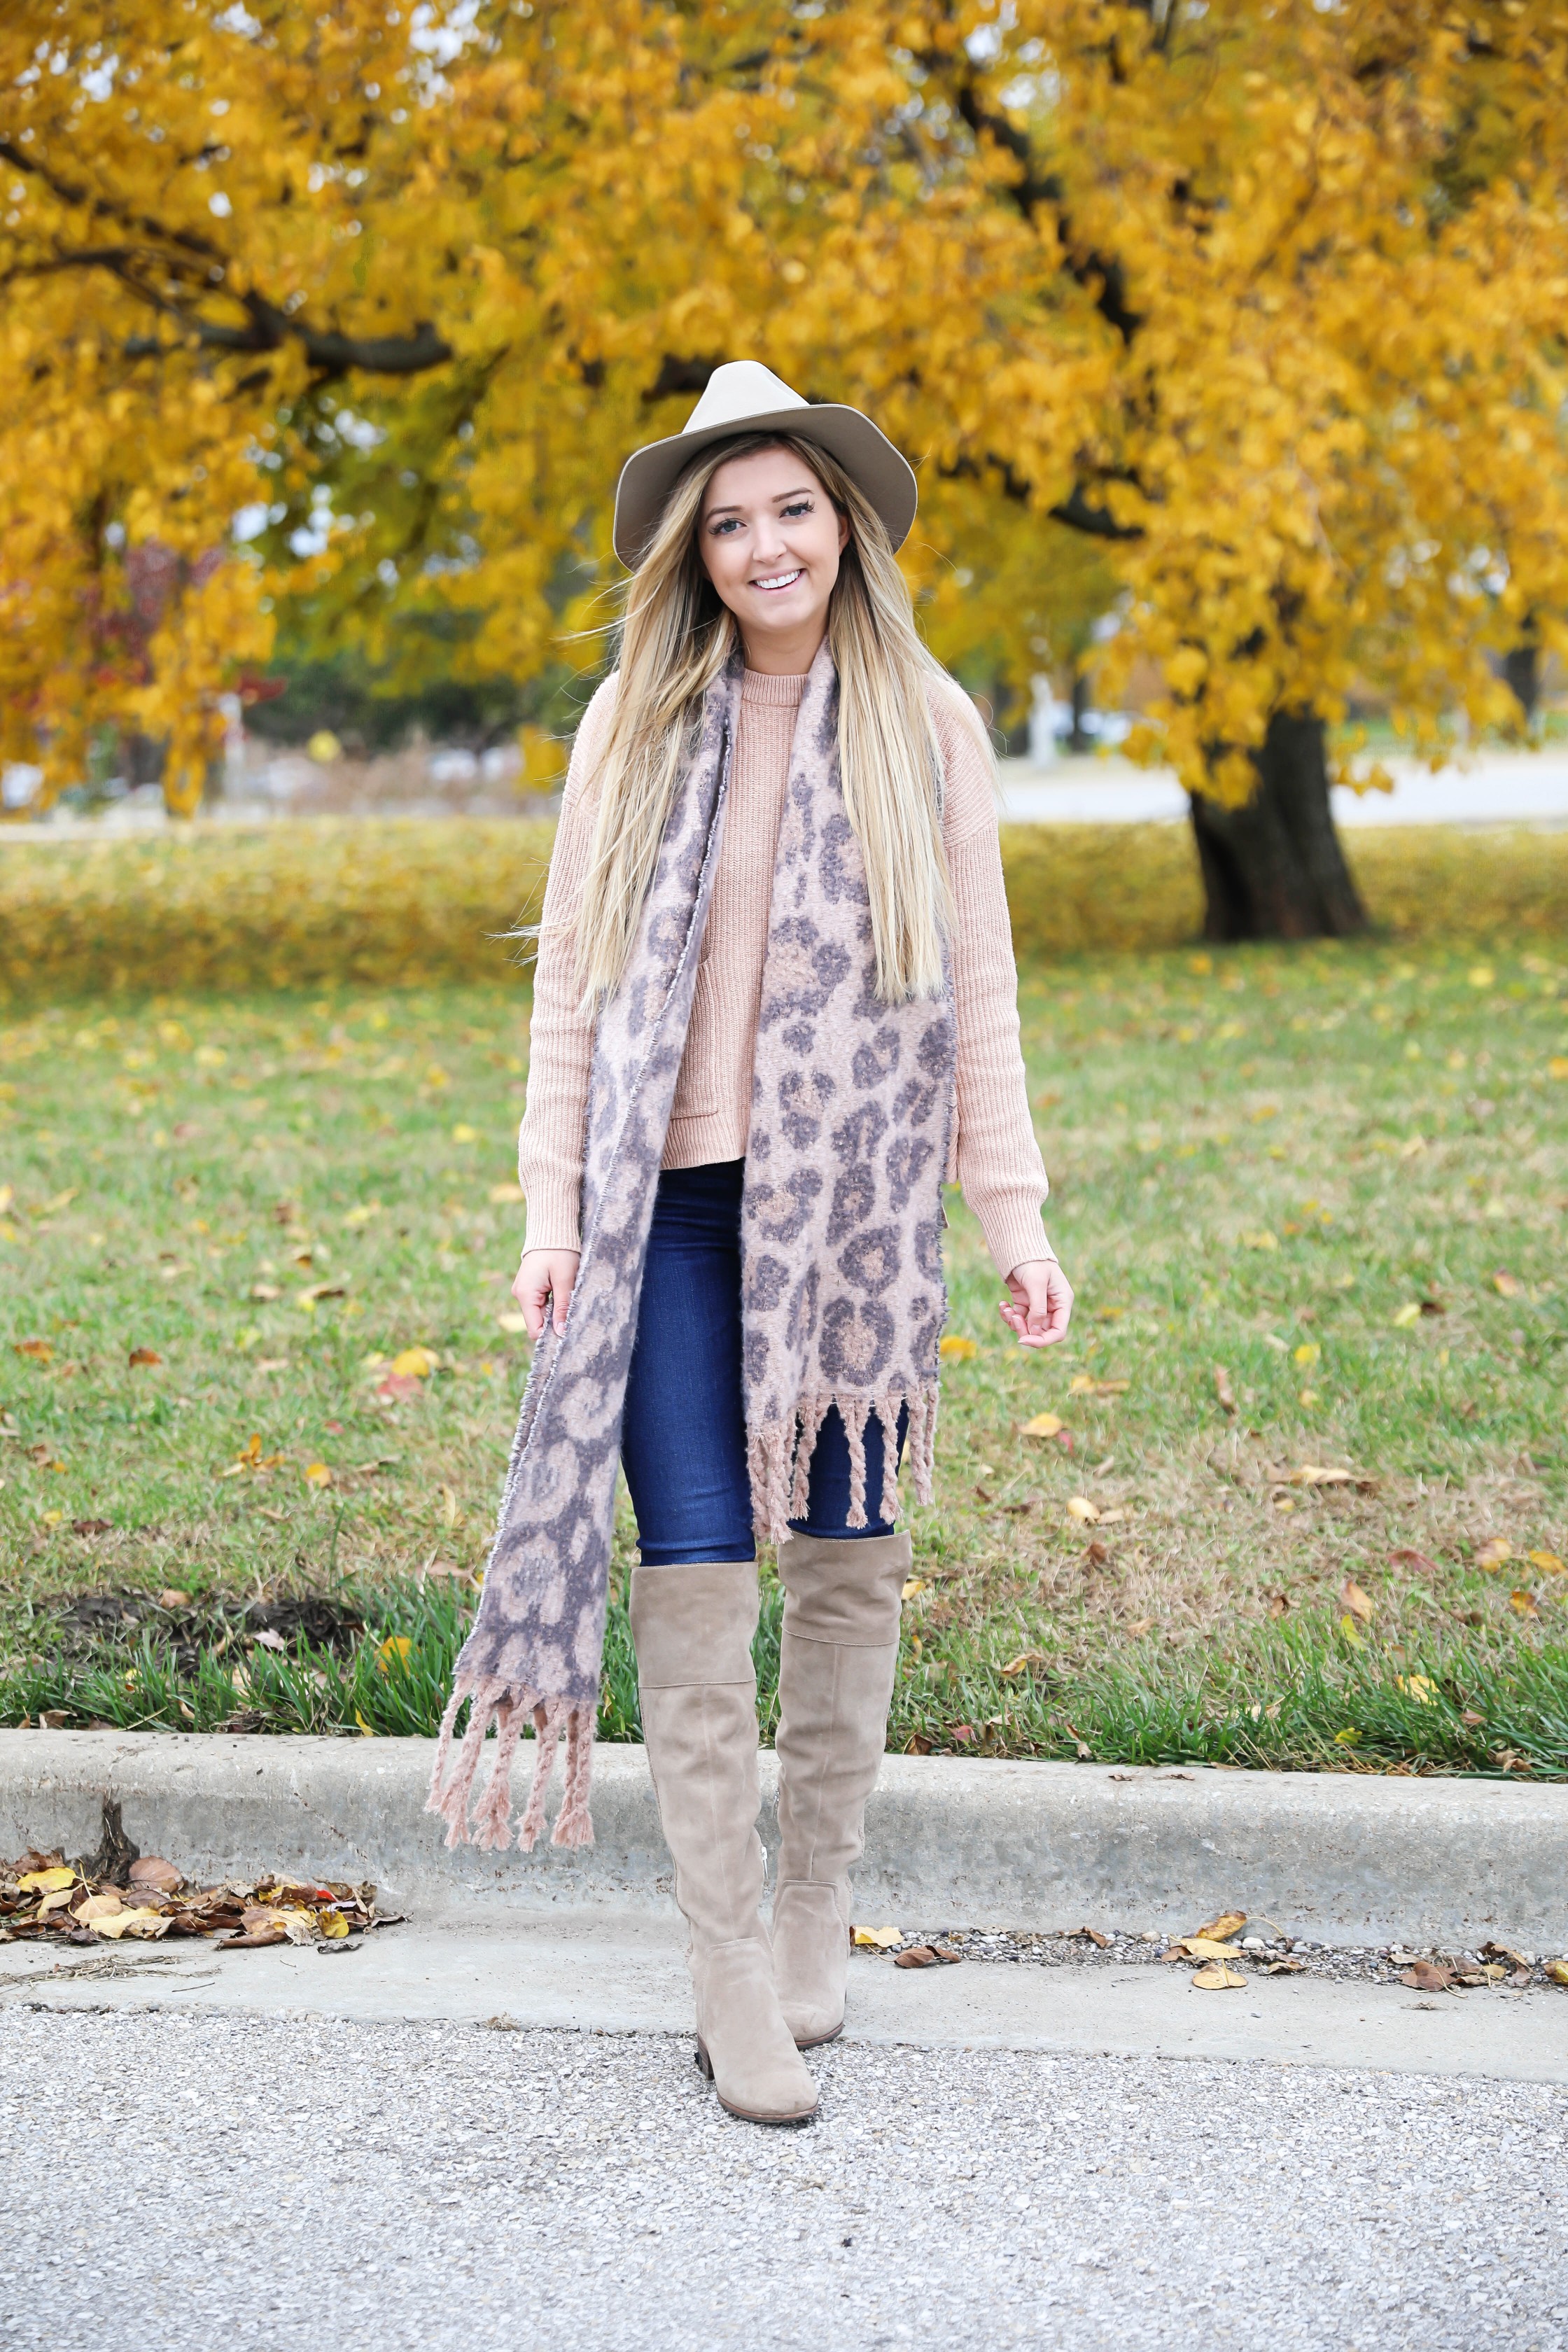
(841, 1260)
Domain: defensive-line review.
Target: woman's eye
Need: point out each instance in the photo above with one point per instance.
(801, 506)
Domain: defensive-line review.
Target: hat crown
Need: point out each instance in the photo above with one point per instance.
(739, 390)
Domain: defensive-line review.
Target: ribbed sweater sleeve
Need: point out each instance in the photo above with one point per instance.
(561, 1035)
(998, 1161)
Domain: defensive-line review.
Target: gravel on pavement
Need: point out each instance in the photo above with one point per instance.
(207, 2181)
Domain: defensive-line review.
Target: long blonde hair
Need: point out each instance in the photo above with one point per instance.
(675, 638)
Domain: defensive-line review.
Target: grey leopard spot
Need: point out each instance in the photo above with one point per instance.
(854, 1198)
(872, 1261)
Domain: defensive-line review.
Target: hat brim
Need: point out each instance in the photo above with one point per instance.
(864, 451)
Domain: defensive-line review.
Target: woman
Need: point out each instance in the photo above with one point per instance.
(774, 1006)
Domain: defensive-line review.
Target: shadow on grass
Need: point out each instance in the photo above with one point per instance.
(1296, 1698)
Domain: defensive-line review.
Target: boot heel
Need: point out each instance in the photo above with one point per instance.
(704, 2062)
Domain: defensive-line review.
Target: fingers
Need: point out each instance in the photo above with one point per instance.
(542, 1287)
(1041, 1307)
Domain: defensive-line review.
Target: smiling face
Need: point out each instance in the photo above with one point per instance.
(770, 537)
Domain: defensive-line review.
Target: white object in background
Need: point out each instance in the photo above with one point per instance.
(20, 784)
(454, 767)
(1044, 724)
(500, 763)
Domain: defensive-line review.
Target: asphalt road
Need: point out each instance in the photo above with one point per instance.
(201, 2180)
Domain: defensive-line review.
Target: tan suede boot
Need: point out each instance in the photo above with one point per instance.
(693, 1627)
(837, 1662)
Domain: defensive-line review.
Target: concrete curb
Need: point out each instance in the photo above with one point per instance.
(1347, 1858)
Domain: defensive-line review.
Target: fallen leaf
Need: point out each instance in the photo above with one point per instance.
(956, 1350)
(1223, 1389)
(47, 1881)
(1260, 1241)
(511, 1322)
(1139, 1625)
(332, 1925)
(1278, 1604)
(1525, 1602)
(1085, 1384)
(877, 1940)
(502, 1193)
(1418, 1687)
(1550, 1562)
(252, 1939)
(92, 1527)
(396, 1650)
(1044, 1424)
(95, 1908)
(1285, 1967)
(1407, 1314)
(1507, 1286)
(172, 1596)
(1218, 1978)
(1314, 1473)
(1495, 1951)
(1027, 1661)
(414, 1364)
(1095, 1935)
(143, 1356)
(1307, 1352)
(1427, 1976)
(265, 1291)
(39, 1349)
(269, 1640)
(1080, 1508)
(318, 1475)
(918, 1955)
(1494, 1551)
(151, 1870)
(399, 1386)
(1358, 1602)
(1229, 1923)
(1407, 1557)
(137, 1923)
(1557, 1970)
(1096, 1553)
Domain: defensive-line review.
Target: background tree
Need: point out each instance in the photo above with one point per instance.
(1262, 306)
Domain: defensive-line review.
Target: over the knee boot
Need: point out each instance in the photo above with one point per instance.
(837, 1662)
(693, 1627)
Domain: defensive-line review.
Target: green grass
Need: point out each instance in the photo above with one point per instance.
(1254, 1154)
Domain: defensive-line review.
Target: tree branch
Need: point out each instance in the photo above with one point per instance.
(1076, 510)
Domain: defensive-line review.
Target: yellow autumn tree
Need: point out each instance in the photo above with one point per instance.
(1262, 305)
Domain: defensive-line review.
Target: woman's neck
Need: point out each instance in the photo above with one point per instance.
(786, 655)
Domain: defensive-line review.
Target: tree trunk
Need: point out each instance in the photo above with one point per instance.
(1079, 739)
(1275, 869)
(1521, 670)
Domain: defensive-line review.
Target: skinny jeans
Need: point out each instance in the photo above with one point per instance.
(683, 1440)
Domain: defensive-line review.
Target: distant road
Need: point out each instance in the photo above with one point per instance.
(1501, 788)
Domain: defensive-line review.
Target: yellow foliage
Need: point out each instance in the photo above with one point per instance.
(409, 900)
(361, 307)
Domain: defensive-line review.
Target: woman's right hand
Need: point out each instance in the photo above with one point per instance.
(543, 1287)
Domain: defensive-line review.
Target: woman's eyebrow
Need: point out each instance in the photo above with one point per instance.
(781, 498)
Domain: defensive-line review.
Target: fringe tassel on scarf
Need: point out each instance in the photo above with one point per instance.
(779, 1457)
(490, 1826)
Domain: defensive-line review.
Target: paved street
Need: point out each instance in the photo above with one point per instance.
(1498, 788)
(190, 2180)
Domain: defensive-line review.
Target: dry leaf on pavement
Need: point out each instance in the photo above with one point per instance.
(918, 1955)
(151, 1870)
(878, 1939)
(1557, 1970)
(1428, 1976)
(1226, 1926)
(1218, 1978)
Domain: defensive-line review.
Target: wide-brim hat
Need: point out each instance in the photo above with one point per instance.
(743, 396)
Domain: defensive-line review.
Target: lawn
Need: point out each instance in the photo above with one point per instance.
(258, 1371)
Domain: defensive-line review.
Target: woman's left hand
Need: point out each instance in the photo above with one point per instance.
(1040, 1306)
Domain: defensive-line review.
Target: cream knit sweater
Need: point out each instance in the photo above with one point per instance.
(995, 1157)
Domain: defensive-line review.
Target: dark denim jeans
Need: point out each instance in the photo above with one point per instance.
(683, 1442)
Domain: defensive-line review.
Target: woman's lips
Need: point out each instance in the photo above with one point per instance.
(776, 580)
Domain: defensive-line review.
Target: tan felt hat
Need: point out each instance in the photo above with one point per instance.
(743, 396)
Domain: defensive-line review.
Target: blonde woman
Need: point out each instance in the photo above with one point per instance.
(774, 1007)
